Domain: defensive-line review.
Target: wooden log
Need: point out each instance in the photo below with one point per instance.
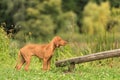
(88, 58)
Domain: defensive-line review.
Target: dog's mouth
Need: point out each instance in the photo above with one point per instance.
(61, 44)
(58, 46)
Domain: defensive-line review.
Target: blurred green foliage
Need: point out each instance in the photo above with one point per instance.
(37, 20)
(96, 18)
(115, 20)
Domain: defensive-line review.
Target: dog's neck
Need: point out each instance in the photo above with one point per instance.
(52, 45)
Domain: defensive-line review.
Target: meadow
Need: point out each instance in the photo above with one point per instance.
(80, 73)
(108, 69)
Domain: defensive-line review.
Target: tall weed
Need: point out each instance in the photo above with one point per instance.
(5, 48)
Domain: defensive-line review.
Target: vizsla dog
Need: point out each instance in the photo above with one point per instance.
(44, 51)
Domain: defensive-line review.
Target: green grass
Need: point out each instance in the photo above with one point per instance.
(81, 72)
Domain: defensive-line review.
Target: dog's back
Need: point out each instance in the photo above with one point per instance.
(33, 50)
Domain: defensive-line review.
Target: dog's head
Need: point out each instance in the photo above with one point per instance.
(58, 41)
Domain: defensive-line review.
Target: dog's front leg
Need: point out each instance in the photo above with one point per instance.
(45, 64)
(48, 67)
(49, 63)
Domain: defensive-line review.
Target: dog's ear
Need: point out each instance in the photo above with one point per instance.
(56, 42)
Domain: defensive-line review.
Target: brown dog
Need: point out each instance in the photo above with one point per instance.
(44, 52)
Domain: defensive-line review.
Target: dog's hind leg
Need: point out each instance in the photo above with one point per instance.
(20, 61)
(27, 61)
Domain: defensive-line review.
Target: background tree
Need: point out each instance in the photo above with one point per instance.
(77, 7)
(96, 18)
